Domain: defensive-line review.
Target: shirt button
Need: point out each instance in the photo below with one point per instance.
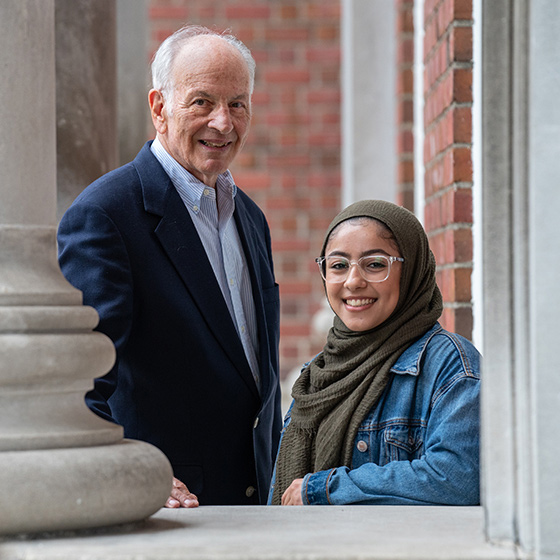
(362, 446)
(195, 208)
(206, 192)
(250, 491)
(256, 422)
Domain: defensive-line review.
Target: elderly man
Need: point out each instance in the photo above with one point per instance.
(177, 261)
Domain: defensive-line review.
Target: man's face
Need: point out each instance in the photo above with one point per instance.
(208, 120)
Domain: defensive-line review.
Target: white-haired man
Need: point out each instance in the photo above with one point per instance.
(177, 261)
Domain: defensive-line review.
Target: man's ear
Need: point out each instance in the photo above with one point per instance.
(158, 110)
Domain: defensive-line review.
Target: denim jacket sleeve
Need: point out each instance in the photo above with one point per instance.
(287, 420)
(422, 438)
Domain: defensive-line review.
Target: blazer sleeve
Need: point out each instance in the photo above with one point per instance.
(94, 259)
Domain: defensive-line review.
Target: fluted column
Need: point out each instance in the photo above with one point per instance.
(61, 467)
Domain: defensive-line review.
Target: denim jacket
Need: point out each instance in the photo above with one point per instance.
(419, 445)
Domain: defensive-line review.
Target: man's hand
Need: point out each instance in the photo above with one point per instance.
(180, 496)
(292, 495)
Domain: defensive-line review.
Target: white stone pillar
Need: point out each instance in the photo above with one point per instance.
(521, 244)
(369, 147)
(543, 206)
(61, 467)
(133, 78)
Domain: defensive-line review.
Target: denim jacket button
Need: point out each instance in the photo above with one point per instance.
(250, 491)
(362, 446)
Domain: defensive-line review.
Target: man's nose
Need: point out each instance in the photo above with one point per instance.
(221, 119)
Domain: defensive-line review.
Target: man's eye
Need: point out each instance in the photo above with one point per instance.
(199, 102)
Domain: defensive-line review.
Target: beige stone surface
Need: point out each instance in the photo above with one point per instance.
(275, 533)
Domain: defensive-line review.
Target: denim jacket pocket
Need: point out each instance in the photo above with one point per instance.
(403, 443)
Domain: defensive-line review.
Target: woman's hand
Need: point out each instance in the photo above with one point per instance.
(292, 495)
(180, 496)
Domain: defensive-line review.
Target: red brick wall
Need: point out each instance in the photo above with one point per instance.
(405, 102)
(447, 153)
(291, 163)
(447, 116)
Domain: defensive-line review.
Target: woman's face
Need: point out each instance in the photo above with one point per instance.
(363, 305)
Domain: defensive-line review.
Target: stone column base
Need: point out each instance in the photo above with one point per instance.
(76, 488)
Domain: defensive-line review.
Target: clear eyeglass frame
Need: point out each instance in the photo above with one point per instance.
(340, 275)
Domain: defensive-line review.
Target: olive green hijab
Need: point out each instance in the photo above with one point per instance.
(337, 390)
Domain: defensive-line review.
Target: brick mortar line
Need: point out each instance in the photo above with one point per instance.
(455, 266)
(439, 156)
(454, 105)
(459, 65)
(456, 23)
(453, 187)
(453, 226)
(463, 23)
(457, 305)
(405, 156)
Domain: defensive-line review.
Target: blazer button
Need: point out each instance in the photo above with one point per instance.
(256, 422)
(250, 491)
(362, 446)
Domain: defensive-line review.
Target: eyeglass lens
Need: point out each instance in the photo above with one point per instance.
(373, 269)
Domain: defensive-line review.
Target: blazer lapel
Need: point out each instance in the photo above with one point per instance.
(179, 239)
(247, 235)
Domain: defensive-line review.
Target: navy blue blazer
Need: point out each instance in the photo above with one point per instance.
(181, 380)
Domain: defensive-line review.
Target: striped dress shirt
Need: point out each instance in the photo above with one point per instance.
(211, 211)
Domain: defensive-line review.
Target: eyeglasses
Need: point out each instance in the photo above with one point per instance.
(374, 268)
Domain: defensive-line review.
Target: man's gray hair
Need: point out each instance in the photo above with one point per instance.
(162, 63)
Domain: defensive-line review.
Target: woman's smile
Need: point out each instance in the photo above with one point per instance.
(360, 304)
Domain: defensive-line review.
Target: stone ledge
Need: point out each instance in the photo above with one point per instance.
(277, 533)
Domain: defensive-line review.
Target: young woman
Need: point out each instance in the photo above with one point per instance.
(388, 412)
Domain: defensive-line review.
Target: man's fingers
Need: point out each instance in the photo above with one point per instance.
(180, 496)
(172, 503)
(184, 497)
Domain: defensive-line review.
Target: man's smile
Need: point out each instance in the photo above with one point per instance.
(214, 144)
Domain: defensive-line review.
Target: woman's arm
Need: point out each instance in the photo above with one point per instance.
(446, 473)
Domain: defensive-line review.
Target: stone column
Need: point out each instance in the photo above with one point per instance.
(369, 154)
(86, 94)
(61, 467)
(133, 78)
(521, 244)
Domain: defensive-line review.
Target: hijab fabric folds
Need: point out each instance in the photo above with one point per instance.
(336, 391)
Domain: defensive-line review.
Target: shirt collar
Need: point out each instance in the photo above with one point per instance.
(409, 361)
(188, 186)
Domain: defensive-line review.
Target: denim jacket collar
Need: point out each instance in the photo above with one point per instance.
(409, 361)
